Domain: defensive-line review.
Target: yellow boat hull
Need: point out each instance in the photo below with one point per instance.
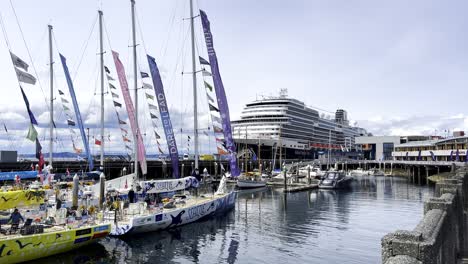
(30, 247)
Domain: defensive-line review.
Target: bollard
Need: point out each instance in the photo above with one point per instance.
(216, 170)
(102, 187)
(183, 170)
(76, 183)
(308, 174)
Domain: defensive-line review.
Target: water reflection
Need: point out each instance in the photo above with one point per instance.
(267, 226)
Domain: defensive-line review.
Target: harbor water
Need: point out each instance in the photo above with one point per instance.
(267, 226)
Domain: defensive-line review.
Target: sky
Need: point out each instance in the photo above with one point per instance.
(397, 67)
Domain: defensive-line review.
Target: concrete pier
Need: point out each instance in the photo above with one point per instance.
(442, 234)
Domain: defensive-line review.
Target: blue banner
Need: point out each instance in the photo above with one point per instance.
(77, 111)
(165, 118)
(220, 93)
(10, 176)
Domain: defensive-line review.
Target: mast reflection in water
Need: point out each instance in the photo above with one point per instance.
(320, 226)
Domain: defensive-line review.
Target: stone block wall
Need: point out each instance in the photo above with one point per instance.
(442, 234)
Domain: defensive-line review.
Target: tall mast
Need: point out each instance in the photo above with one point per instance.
(194, 76)
(51, 68)
(101, 57)
(135, 79)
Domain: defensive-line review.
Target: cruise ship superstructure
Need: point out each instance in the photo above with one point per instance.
(303, 132)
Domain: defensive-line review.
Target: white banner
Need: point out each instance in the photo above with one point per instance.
(162, 186)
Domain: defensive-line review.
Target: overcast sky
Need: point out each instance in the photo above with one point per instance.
(397, 67)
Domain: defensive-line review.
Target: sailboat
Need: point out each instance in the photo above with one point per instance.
(51, 232)
(180, 209)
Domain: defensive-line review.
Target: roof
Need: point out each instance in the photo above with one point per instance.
(432, 142)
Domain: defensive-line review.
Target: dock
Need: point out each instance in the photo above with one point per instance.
(303, 187)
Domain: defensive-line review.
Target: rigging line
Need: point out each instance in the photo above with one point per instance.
(29, 55)
(169, 31)
(4, 31)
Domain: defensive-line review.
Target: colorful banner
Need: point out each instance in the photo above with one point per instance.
(15, 199)
(164, 112)
(77, 112)
(162, 186)
(131, 111)
(220, 94)
(10, 176)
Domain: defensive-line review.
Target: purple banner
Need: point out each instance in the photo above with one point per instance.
(220, 94)
(164, 112)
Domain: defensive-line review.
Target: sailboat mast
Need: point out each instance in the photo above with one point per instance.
(51, 69)
(101, 58)
(194, 76)
(135, 82)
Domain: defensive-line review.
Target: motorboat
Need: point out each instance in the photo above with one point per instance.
(359, 172)
(315, 172)
(335, 180)
(377, 172)
(250, 183)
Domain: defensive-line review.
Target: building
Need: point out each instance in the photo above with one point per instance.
(448, 149)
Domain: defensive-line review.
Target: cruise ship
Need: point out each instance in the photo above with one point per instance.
(288, 126)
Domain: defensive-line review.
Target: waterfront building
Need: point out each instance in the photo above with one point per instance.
(381, 147)
(448, 149)
(302, 131)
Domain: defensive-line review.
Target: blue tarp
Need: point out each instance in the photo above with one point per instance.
(10, 176)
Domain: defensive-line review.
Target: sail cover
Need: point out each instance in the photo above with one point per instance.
(220, 94)
(77, 111)
(162, 186)
(130, 110)
(164, 112)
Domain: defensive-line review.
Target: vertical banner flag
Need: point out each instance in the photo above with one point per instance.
(130, 111)
(220, 94)
(77, 111)
(164, 112)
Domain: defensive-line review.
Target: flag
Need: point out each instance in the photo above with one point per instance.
(65, 108)
(117, 104)
(70, 122)
(217, 129)
(157, 135)
(208, 86)
(65, 101)
(124, 130)
(110, 78)
(216, 119)
(18, 62)
(32, 166)
(457, 155)
(152, 107)
(221, 151)
(203, 61)
(121, 122)
(97, 142)
(160, 150)
(213, 108)
(188, 137)
(432, 156)
(153, 116)
(32, 133)
(68, 172)
(106, 69)
(112, 86)
(219, 140)
(210, 98)
(206, 133)
(126, 184)
(157, 142)
(39, 155)
(149, 96)
(4, 126)
(114, 95)
(77, 150)
(206, 73)
(147, 86)
(451, 155)
(30, 113)
(25, 77)
(60, 92)
(144, 75)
